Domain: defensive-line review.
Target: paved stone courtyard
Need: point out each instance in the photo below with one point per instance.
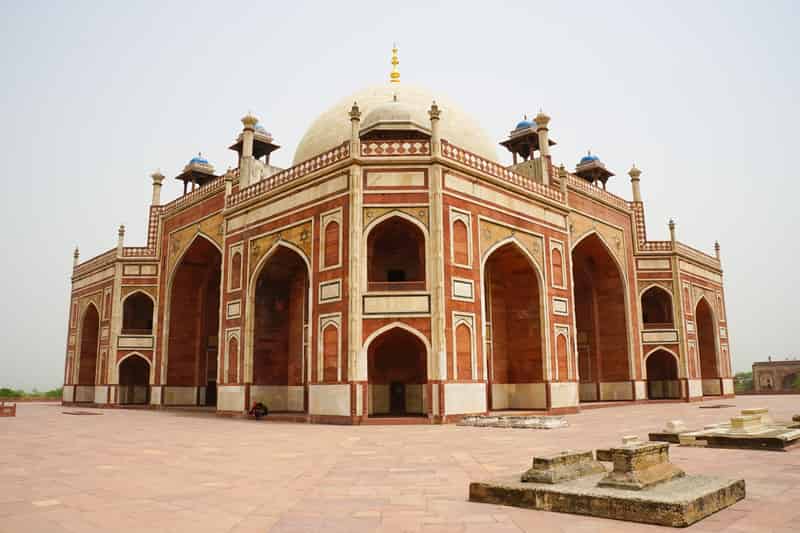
(139, 470)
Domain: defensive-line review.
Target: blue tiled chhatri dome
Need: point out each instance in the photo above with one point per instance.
(198, 160)
(588, 158)
(524, 123)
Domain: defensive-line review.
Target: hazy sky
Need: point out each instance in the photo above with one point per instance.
(701, 95)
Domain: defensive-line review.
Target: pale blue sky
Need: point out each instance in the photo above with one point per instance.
(701, 95)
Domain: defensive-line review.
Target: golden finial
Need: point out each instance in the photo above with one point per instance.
(394, 77)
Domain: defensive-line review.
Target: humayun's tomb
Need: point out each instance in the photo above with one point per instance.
(397, 270)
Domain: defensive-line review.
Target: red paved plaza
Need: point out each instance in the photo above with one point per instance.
(142, 470)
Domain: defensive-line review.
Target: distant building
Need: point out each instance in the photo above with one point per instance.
(397, 269)
(775, 375)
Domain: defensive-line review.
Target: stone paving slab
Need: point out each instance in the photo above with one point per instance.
(141, 470)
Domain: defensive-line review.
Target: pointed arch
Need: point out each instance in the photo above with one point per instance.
(398, 366)
(134, 376)
(249, 318)
(204, 325)
(136, 320)
(662, 368)
(657, 307)
(593, 340)
(707, 331)
(88, 344)
(396, 270)
(517, 377)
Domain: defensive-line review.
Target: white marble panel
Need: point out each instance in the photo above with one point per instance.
(329, 399)
(464, 398)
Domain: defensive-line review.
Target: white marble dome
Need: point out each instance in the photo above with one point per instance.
(332, 127)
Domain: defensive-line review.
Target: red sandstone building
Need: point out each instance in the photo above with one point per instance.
(397, 269)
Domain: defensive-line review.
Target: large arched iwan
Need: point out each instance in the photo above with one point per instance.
(515, 316)
(280, 321)
(194, 321)
(600, 318)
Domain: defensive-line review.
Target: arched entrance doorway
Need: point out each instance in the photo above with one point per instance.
(707, 346)
(396, 256)
(601, 322)
(662, 376)
(134, 380)
(90, 337)
(397, 374)
(194, 326)
(514, 317)
(280, 331)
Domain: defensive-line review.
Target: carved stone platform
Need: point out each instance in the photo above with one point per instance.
(752, 430)
(515, 421)
(642, 487)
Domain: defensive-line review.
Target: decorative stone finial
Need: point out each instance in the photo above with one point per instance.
(434, 112)
(716, 248)
(634, 172)
(157, 177)
(394, 77)
(541, 119)
(672, 230)
(75, 256)
(562, 180)
(120, 239)
(355, 112)
(249, 120)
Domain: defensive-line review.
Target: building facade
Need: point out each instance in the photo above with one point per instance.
(776, 376)
(397, 269)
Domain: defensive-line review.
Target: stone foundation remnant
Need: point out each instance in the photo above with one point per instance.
(671, 432)
(8, 409)
(643, 486)
(515, 421)
(753, 429)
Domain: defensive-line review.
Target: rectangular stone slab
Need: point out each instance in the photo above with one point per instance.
(778, 440)
(677, 503)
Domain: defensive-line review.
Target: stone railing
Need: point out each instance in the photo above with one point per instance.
(469, 159)
(323, 160)
(697, 255)
(601, 194)
(98, 261)
(395, 148)
(201, 193)
(656, 246)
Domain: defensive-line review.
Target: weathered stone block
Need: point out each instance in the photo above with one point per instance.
(561, 467)
(639, 466)
(762, 412)
(746, 424)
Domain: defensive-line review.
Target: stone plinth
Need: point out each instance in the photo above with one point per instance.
(640, 465)
(746, 424)
(761, 412)
(513, 421)
(562, 467)
(677, 503)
